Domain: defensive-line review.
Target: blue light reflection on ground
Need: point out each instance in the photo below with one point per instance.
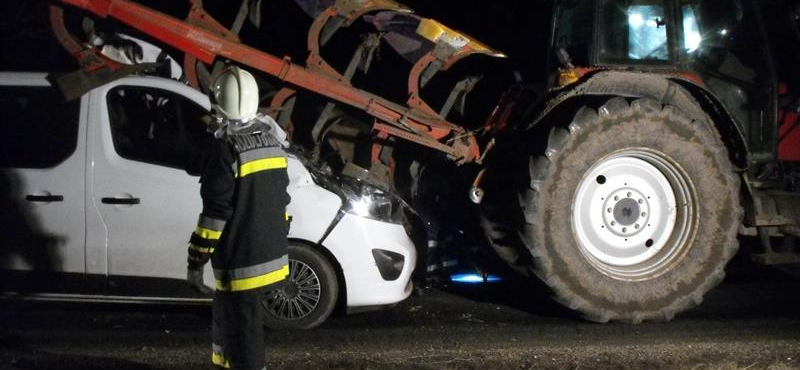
(474, 278)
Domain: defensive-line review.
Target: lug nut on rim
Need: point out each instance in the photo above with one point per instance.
(625, 208)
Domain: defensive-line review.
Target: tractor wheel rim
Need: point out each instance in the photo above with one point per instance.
(299, 295)
(633, 214)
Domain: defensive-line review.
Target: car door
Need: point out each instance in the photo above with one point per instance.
(42, 193)
(149, 134)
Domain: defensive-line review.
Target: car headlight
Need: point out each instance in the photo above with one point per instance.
(366, 200)
(358, 197)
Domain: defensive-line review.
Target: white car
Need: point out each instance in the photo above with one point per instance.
(98, 203)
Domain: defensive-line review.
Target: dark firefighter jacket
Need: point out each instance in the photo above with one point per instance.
(244, 222)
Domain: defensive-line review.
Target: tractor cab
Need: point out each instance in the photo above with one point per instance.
(741, 53)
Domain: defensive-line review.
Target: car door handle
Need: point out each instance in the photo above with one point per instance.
(120, 200)
(44, 198)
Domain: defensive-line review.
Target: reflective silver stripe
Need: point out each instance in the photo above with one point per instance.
(211, 223)
(251, 271)
(260, 153)
(216, 348)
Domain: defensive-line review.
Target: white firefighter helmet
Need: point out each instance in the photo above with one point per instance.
(234, 95)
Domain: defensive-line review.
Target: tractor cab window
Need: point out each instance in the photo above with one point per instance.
(691, 30)
(718, 39)
(573, 31)
(780, 20)
(634, 31)
(724, 46)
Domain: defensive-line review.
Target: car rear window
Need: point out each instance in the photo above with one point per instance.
(38, 129)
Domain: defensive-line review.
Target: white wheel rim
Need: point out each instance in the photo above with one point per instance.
(632, 214)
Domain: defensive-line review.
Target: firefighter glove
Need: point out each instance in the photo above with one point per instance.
(197, 259)
(195, 280)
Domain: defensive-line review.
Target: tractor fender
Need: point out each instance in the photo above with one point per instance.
(691, 99)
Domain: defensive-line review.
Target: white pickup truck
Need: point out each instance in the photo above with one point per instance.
(99, 196)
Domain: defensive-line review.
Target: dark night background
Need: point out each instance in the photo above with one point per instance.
(507, 25)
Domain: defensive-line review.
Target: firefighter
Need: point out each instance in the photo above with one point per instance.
(243, 227)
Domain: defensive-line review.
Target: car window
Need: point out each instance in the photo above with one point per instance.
(157, 126)
(39, 129)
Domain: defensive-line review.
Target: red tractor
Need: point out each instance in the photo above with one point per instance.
(669, 131)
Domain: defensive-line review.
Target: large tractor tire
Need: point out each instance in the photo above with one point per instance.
(632, 211)
(499, 219)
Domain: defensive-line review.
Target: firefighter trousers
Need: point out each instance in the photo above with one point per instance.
(237, 330)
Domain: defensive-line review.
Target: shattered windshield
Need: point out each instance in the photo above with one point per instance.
(648, 34)
(634, 31)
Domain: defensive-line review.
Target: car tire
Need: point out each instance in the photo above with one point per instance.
(307, 297)
(632, 211)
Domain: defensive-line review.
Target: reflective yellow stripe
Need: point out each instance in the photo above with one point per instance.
(286, 215)
(208, 233)
(261, 165)
(255, 281)
(220, 360)
(202, 249)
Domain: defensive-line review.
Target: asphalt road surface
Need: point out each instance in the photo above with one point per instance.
(751, 321)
